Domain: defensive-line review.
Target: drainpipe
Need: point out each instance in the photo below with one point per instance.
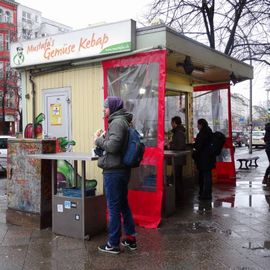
(33, 104)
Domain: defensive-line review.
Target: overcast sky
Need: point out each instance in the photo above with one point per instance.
(80, 13)
(88, 12)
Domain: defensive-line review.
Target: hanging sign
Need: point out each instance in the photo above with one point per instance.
(85, 43)
(56, 114)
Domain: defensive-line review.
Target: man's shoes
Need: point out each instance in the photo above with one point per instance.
(109, 249)
(131, 244)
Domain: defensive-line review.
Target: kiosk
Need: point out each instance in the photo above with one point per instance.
(158, 72)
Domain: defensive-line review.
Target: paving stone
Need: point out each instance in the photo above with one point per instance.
(231, 232)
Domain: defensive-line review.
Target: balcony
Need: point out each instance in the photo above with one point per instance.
(7, 26)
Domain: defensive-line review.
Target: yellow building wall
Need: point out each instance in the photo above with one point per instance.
(86, 86)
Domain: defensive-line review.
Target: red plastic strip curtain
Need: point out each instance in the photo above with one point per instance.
(213, 103)
(140, 81)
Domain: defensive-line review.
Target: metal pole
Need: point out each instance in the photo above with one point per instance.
(250, 109)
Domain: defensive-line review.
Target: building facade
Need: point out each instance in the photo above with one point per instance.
(18, 23)
(9, 94)
(240, 112)
(32, 25)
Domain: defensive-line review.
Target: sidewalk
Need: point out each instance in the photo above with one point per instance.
(232, 232)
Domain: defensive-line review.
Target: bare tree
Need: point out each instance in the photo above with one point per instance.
(238, 28)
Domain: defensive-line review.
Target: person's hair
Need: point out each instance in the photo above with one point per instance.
(177, 120)
(203, 122)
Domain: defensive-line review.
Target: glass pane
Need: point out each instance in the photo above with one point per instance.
(175, 105)
(1, 42)
(143, 178)
(3, 143)
(138, 87)
(212, 106)
(225, 156)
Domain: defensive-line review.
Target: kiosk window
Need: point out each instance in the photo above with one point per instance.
(175, 105)
(212, 106)
(143, 178)
(138, 87)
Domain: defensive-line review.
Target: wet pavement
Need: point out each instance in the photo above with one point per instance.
(231, 232)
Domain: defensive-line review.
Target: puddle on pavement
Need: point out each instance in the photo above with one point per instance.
(260, 248)
(201, 227)
(238, 200)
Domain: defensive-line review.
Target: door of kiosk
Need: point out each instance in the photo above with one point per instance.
(140, 81)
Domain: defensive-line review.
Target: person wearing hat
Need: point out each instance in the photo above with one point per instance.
(116, 175)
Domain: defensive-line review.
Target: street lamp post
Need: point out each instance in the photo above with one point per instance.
(250, 107)
(250, 114)
(268, 104)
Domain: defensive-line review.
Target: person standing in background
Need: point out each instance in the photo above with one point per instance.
(178, 143)
(204, 159)
(266, 138)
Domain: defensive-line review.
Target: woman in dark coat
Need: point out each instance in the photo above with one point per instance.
(266, 179)
(204, 159)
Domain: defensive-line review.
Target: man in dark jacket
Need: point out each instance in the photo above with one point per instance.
(178, 143)
(116, 175)
(179, 134)
(204, 158)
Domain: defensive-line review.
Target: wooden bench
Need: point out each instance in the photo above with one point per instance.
(246, 160)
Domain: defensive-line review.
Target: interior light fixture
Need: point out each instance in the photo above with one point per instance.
(142, 91)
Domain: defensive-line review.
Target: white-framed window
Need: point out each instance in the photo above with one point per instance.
(26, 33)
(1, 70)
(8, 17)
(1, 15)
(8, 71)
(1, 98)
(7, 42)
(11, 99)
(26, 17)
(1, 42)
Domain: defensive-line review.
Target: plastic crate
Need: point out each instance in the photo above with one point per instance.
(77, 192)
(150, 181)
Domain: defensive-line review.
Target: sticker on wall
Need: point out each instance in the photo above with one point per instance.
(77, 217)
(60, 208)
(67, 204)
(56, 114)
(73, 205)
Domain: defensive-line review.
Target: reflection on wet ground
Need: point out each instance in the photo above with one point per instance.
(230, 232)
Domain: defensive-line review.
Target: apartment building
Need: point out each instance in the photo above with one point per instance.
(9, 78)
(240, 111)
(18, 23)
(32, 25)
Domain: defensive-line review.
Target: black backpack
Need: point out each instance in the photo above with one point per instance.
(218, 141)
